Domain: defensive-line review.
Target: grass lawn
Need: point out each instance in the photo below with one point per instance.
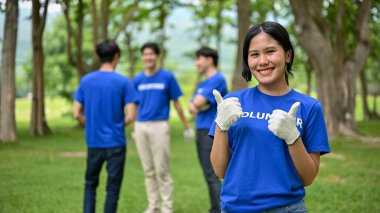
(46, 174)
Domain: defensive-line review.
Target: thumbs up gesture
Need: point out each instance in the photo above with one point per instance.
(229, 110)
(283, 125)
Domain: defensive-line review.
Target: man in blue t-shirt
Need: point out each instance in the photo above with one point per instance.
(156, 87)
(105, 103)
(203, 107)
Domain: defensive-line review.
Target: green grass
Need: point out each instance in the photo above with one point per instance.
(46, 174)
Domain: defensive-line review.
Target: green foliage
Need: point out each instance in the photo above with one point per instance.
(373, 63)
(60, 78)
(206, 19)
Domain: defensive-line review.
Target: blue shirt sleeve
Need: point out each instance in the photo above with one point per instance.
(211, 133)
(78, 95)
(174, 89)
(207, 93)
(218, 83)
(130, 94)
(315, 137)
(135, 83)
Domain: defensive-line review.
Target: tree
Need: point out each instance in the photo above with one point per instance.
(38, 125)
(211, 20)
(369, 76)
(337, 54)
(75, 58)
(8, 89)
(243, 17)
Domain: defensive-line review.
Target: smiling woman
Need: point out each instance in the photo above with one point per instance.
(267, 139)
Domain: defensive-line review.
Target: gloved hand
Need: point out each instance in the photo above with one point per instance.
(188, 134)
(283, 125)
(229, 110)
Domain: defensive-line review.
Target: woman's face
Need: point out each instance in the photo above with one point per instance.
(267, 59)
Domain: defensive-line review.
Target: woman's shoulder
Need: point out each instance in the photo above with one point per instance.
(305, 99)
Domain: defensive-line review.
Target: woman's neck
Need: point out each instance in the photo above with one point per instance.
(277, 90)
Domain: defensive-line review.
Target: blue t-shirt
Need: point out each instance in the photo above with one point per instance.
(155, 93)
(205, 118)
(261, 174)
(104, 96)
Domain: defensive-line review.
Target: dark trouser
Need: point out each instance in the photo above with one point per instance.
(204, 145)
(115, 158)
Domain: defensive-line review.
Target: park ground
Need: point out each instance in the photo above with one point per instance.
(46, 174)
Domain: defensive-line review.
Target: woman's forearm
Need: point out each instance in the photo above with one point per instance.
(307, 164)
(220, 153)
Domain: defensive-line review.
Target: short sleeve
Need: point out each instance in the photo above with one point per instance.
(315, 138)
(211, 133)
(174, 88)
(130, 94)
(79, 94)
(207, 93)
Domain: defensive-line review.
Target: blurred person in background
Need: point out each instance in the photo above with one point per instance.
(156, 87)
(203, 107)
(105, 104)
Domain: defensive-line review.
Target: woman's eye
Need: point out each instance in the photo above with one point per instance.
(254, 55)
(270, 51)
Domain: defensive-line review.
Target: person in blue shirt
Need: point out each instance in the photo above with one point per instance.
(156, 87)
(267, 139)
(105, 104)
(203, 107)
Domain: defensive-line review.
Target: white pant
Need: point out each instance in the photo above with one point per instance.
(153, 146)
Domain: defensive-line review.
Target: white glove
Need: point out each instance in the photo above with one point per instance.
(229, 110)
(283, 124)
(188, 134)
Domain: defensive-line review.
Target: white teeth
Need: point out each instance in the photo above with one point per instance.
(265, 72)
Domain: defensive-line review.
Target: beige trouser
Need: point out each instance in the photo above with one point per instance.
(153, 146)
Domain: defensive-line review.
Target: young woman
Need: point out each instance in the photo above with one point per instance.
(267, 139)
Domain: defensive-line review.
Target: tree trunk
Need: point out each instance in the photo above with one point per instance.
(105, 18)
(131, 58)
(309, 70)
(127, 19)
(95, 34)
(243, 11)
(75, 58)
(367, 115)
(38, 125)
(162, 36)
(81, 66)
(219, 26)
(8, 90)
(336, 71)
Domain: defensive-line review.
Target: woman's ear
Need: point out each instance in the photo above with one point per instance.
(288, 56)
